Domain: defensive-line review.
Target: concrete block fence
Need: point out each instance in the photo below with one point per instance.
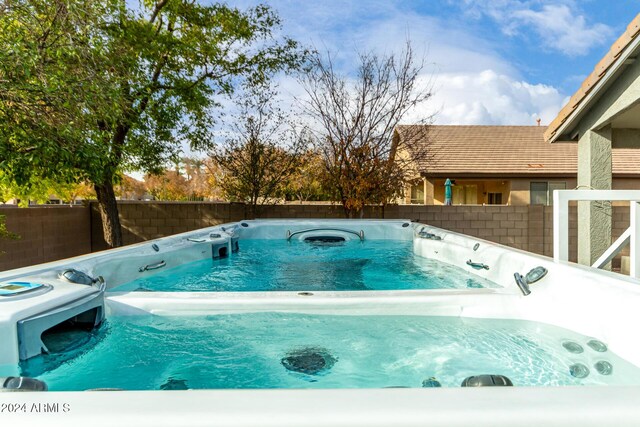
(50, 233)
(46, 233)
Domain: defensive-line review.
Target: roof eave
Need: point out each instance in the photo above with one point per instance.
(574, 117)
(497, 176)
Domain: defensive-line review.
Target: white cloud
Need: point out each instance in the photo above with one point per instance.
(558, 23)
(562, 30)
(489, 98)
(472, 82)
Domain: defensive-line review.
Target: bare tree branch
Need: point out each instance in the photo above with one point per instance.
(261, 153)
(366, 160)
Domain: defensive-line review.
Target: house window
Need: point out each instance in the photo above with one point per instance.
(470, 194)
(539, 191)
(542, 192)
(555, 186)
(495, 198)
(417, 194)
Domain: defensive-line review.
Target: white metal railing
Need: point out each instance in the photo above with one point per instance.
(561, 199)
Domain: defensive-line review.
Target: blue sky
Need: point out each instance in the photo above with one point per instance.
(490, 61)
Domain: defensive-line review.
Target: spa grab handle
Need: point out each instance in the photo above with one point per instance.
(477, 265)
(152, 266)
(522, 284)
(426, 235)
(430, 236)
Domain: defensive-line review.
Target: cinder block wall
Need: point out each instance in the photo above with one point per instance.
(47, 233)
(150, 220)
(523, 227)
(321, 211)
(508, 225)
(55, 232)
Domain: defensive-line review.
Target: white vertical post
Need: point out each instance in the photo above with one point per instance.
(634, 252)
(560, 226)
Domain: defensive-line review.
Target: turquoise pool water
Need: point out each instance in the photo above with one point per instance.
(254, 351)
(278, 265)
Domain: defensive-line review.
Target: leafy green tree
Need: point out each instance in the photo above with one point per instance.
(4, 231)
(91, 89)
(41, 190)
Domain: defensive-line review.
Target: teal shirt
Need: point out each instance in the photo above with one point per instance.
(447, 189)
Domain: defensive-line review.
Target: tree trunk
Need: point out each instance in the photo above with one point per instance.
(345, 210)
(109, 213)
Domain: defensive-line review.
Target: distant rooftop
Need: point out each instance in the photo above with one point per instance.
(502, 151)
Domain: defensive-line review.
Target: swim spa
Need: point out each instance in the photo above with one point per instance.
(391, 315)
(299, 265)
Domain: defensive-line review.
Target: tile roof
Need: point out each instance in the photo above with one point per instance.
(632, 31)
(506, 150)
